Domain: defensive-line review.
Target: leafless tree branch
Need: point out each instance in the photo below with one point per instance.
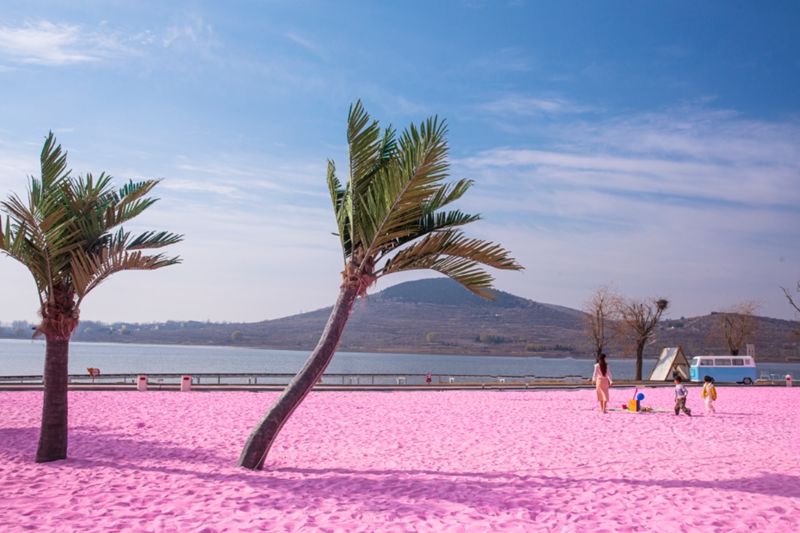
(736, 325)
(789, 297)
(639, 320)
(602, 313)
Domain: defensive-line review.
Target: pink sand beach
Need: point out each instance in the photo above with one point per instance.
(408, 461)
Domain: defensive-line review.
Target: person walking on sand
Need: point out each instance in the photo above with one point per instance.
(602, 380)
(680, 397)
(709, 394)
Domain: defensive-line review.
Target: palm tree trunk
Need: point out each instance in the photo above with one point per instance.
(639, 360)
(53, 436)
(263, 436)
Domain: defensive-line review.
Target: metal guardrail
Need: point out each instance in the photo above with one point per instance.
(249, 378)
(771, 378)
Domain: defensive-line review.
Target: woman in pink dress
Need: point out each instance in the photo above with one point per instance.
(602, 380)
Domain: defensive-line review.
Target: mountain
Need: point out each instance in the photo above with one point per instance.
(438, 316)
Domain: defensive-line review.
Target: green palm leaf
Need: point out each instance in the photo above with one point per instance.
(397, 197)
(456, 256)
(392, 207)
(340, 200)
(54, 167)
(68, 232)
(90, 269)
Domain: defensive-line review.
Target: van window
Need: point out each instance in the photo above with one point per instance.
(723, 362)
(706, 362)
(738, 362)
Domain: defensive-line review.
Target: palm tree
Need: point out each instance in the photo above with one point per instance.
(62, 233)
(390, 219)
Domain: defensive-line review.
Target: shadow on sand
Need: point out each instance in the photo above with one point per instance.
(372, 489)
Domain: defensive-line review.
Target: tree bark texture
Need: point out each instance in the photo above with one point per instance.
(53, 435)
(264, 435)
(639, 360)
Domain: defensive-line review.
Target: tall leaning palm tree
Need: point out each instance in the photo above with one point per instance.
(390, 219)
(68, 233)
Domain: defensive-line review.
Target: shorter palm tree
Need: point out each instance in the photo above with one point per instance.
(390, 219)
(63, 233)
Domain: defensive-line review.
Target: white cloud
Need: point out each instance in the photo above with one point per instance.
(47, 43)
(305, 43)
(181, 185)
(700, 205)
(217, 174)
(701, 155)
(193, 32)
(60, 43)
(524, 105)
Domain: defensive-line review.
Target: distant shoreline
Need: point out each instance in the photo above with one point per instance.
(349, 351)
(438, 317)
(410, 352)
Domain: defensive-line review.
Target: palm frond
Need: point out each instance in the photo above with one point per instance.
(456, 256)
(448, 193)
(370, 154)
(334, 187)
(90, 269)
(43, 240)
(96, 209)
(53, 162)
(429, 223)
(338, 198)
(132, 201)
(399, 196)
(153, 239)
(15, 244)
(62, 230)
(392, 207)
(5, 234)
(136, 189)
(364, 143)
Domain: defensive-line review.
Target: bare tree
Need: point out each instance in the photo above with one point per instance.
(736, 325)
(791, 300)
(639, 319)
(602, 312)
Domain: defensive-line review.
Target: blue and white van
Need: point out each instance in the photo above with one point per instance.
(724, 368)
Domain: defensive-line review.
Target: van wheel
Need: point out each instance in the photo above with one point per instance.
(747, 381)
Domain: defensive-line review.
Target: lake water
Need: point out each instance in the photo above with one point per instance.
(26, 357)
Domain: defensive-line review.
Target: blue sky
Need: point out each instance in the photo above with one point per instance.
(648, 145)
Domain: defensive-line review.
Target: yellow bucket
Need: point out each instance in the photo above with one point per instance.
(632, 406)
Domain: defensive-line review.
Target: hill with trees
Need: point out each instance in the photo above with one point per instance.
(437, 316)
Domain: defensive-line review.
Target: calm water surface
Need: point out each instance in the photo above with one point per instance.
(26, 357)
